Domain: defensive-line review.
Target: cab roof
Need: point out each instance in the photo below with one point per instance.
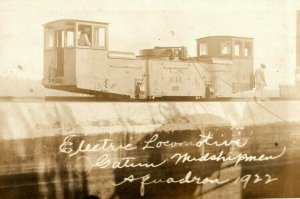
(69, 22)
(224, 36)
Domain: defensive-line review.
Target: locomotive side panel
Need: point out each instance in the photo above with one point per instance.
(124, 75)
(242, 74)
(69, 66)
(200, 76)
(221, 78)
(174, 78)
(91, 69)
(154, 78)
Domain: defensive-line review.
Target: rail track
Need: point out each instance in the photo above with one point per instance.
(96, 99)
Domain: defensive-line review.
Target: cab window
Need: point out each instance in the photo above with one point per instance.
(203, 49)
(99, 37)
(237, 48)
(60, 38)
(248, 49)
(84, 35)
(225, 48)
(70, 38)
(49, 38)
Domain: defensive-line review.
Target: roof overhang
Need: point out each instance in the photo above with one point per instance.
(69, 23)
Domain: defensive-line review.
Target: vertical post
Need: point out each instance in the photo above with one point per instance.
(298, 52)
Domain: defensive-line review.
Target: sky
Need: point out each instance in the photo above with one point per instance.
(140, 24)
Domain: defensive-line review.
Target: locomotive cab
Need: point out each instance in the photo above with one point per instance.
(230, 61)
(72, 48)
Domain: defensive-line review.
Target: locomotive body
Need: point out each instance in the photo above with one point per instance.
(223, 65)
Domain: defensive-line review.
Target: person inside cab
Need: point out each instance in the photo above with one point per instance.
(84, 37)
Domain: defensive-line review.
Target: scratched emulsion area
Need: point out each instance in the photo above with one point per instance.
(35, 161)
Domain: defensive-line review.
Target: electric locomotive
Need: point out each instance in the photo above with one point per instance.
(77, 59)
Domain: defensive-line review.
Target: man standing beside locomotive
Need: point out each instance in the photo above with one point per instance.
(260, 83)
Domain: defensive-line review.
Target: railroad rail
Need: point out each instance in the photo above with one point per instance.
(164, 99)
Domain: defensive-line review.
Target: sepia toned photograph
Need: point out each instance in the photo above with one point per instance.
(149, 99)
